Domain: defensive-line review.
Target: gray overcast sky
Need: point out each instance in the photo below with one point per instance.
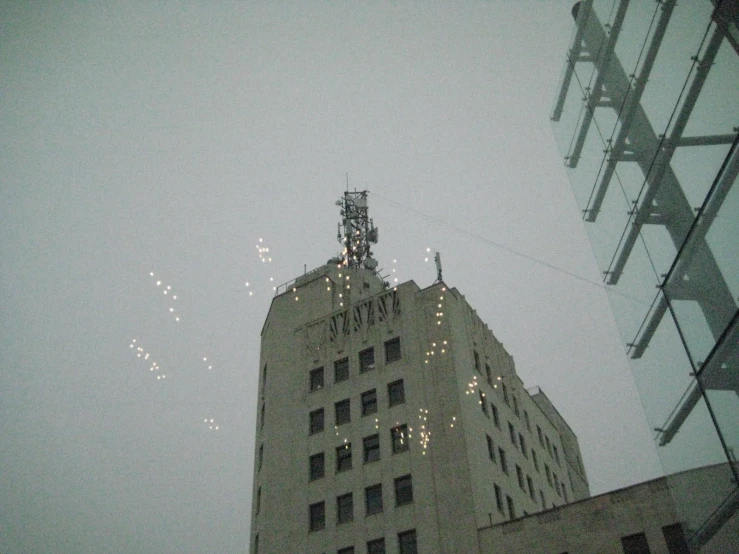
(170, 137)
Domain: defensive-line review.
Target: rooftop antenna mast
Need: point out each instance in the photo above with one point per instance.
(437, 259)
(357, 231)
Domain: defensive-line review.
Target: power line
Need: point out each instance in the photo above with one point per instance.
(504, 247)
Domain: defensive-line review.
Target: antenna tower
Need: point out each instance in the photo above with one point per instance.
(357, 232)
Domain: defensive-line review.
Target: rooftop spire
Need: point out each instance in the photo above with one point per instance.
(356, 231)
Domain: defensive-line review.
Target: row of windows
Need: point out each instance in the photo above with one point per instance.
(544, 440)
(371, 452)
(373, 503)
(342, 408)
(406, 545)
(316, 379)
(552, 478)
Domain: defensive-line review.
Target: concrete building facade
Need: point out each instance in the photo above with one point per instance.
(392, 420)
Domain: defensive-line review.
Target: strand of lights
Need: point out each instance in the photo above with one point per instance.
(212, 425)
(424, 431)
(263, 252)
(205, 361)
(168, 292)
(144, 355)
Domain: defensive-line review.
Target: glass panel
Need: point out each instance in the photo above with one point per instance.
(672, 66)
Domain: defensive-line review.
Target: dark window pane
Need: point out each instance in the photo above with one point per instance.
(403, 490)
(675, 539)
(369, 402)
(316, 421)
(503, 461)
(343, 412)
(477, 360)
(344, 508)
(392, 350)
(400, 438)
(372, 448)
(316, 379)
(317, 516)
(366, 360)
(373, 499)
(512, 433)
(530, 483)
(491, 448)
(407, 542)
(396, 393)
(499, 499)
(496, 417)
(483, 403)
(511, 508)
(317, 466)
(345, 550)
(344, 457)
(635, 544)
(376, 546)
(341, 370)
(519, 476)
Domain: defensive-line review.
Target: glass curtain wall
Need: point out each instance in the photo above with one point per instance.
(646, 119)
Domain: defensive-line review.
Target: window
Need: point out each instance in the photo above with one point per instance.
(503, 463)
(344, 508)
(675, 539)
(316, 421)
(530, 483)
(522, 444)
(549, 445)
(635, 544)
(496, 417)
(260, 459)
(371, 448)
(491, 448)
(511, 508)
(403, 490)
(376, 546)
(256, 538)
(343, 412)
(344, 457)
(489, 374)
(317, 516)
(536, 460)
(259, 499)
(543, 500)
(392, 350)
(373, 499)
(556, 484)
(541, 437)
(264, 376)
(505, 393)
(477, 361)
(369, 402)
(515, 407)
(549, 475)
(519, 475)
(499, 499)
(345, 550)
(483, 404)
(367, 360)
(316, 379)
(396, 393)
(556, 454)
(512, 433)
(261, 420)
(407, 542)
(400, 438)
(317, 466)
(527, 420)
(341, 370)
(564, 492)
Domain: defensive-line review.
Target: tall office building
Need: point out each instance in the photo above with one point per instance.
(390, 419)
(647, 118)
